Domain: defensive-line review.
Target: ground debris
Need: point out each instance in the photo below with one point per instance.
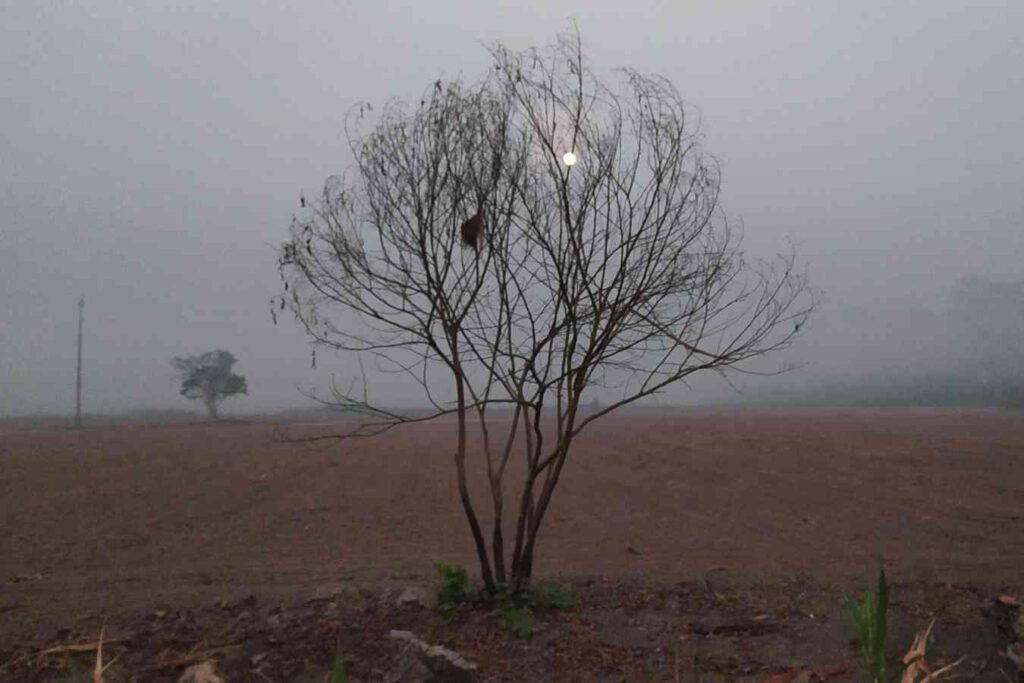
(915, 665)
(1006, 613)
(205, 672)
(420, 662)
(415, 595)
(622, 631)
(809, 674)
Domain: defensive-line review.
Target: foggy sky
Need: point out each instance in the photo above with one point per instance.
(152, 153)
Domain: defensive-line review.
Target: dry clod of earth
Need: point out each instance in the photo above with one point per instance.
(205, 672)
(415, 595)
(420, 662)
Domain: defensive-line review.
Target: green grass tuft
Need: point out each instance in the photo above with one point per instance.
(455, 587)
(516, 620)
(869, 617)
(338, 674)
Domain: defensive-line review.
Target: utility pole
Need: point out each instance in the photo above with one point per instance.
(78, 376)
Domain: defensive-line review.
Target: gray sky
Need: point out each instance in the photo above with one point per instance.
(151, 153)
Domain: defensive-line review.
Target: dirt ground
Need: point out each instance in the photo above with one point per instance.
(121, 519)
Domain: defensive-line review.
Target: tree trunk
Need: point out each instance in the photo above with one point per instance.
(467, 503)
(498, 542)
(211, 407)
(522, 527)
(533, 517)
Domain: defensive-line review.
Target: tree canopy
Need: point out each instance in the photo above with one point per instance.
(601, 265)
(208, 377)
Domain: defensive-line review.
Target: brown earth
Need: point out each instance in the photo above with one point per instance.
(120, 519)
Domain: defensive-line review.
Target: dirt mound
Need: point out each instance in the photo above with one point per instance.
(738, 631)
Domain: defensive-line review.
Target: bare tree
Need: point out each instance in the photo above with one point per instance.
(610, 269)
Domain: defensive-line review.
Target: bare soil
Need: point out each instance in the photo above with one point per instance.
(786, 509)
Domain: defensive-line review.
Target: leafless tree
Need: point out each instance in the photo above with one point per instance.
(617, 273)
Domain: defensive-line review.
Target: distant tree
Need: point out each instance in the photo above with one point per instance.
(524, 242)
(208, 377)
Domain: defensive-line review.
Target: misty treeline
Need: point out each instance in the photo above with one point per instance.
(964, 349)
(598, 259)
(987, 320)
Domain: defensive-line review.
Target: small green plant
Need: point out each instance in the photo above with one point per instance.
(869, 617)
(514, 616)
(555, 596)
(513, 612)
(338, 670)
(455, 589)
